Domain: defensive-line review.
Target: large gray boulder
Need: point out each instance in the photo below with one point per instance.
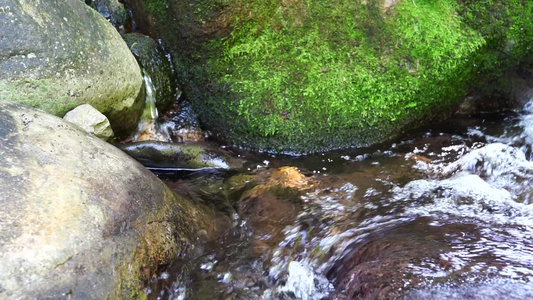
(78, 216)
(56, 55)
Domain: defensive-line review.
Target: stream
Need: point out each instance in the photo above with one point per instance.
(442, 213)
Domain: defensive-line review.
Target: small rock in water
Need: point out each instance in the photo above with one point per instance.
(90, 120)
(226, 278)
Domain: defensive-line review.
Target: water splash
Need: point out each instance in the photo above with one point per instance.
(486, 184)
(178, 124)
(304, 284)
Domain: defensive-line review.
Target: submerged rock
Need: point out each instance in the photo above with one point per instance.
(90, 120)
(79, 217)
(56, 55)
(272, 205)
(379, 266)
(178, 156)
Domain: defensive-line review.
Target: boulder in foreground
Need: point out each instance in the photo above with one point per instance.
(80, 217)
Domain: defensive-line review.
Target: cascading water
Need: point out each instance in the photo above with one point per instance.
(445, 213)
(181, 127)
(150, 112)
(148, 128)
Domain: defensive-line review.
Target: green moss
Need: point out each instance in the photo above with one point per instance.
(310, 75)
(157, 8)
(508, 31)
(34, 93)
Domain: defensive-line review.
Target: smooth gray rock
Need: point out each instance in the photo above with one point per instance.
(56, 55)
(78, 216)
(90, 120)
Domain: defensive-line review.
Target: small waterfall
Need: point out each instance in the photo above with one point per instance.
(176, 126)
(150, 110)
(148, 127)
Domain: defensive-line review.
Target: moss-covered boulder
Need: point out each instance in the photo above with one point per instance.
(56, 55)
(302, 76)
(157, 65)
(113, 11)
(79, 218)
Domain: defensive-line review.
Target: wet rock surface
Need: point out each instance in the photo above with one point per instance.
(179, 155)
(157, 65)
(272, 205)
(185, 125)
(514, 91)
(79, 217)
(56, 55)
(112, 10)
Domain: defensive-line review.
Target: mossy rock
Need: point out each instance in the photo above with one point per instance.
(112, 10)
(157, 65)
(57, 55)
(304, 76)
(235, 186)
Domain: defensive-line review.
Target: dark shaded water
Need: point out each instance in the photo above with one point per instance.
(443, 213)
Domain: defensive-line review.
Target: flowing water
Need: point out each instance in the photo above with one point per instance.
(148, 126)
(443, 213)
(171, 127)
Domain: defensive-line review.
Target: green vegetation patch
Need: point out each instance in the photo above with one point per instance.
(311, 75)
(507, 28)
(315, 75)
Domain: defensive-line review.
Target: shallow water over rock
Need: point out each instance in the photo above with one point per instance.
(442, 213)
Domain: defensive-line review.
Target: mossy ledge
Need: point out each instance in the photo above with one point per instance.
(304, 76)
